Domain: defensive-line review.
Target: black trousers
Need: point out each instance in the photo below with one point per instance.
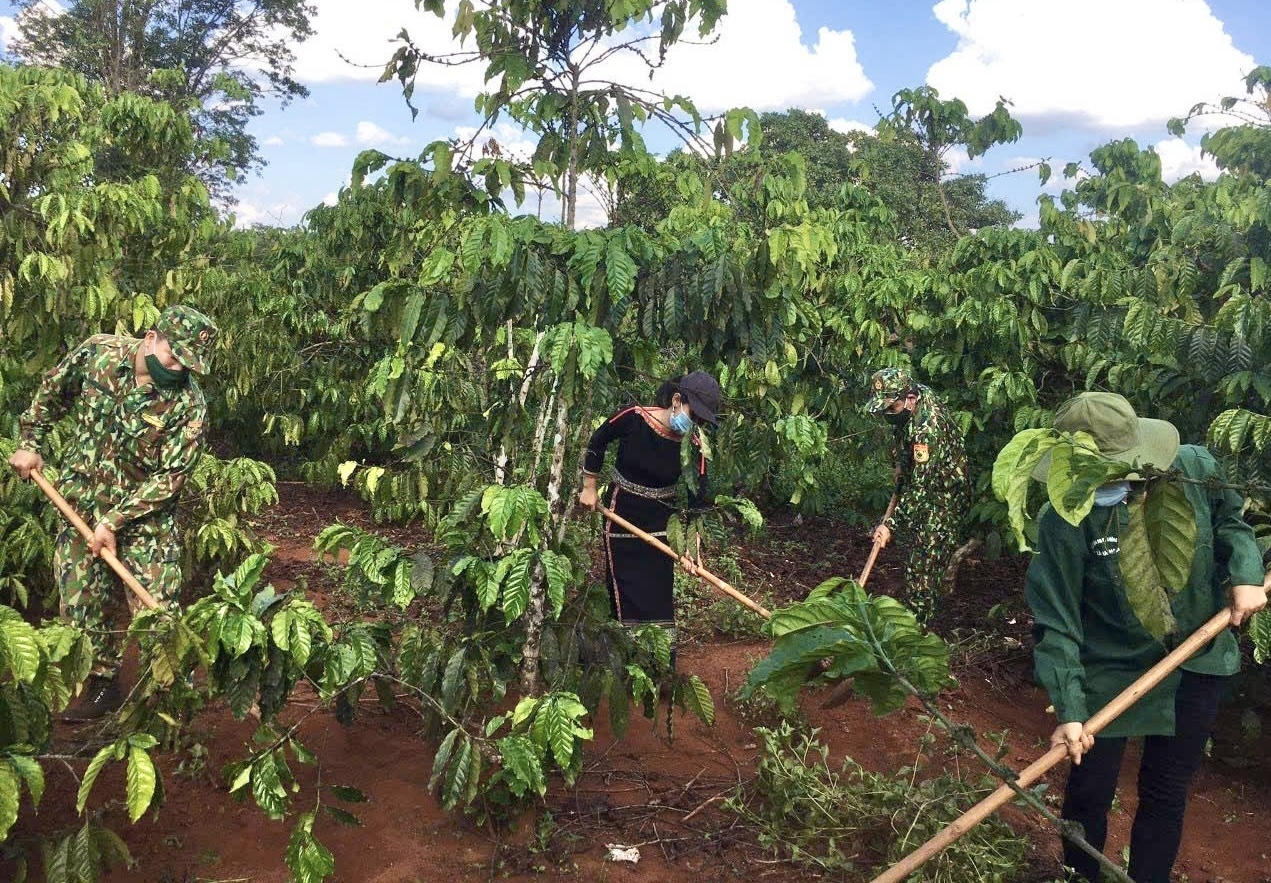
(1165, 777)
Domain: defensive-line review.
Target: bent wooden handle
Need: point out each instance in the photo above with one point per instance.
(1030, 774)
(873, 553)
(108, 556)
(685, 562)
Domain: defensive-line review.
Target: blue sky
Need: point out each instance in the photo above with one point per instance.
(1080, 72)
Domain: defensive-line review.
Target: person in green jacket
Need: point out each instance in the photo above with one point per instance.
(1090, 644)
(138, 420)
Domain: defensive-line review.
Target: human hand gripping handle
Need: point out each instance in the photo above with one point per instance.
(587, 497)
(1074, 739)
(24, 461)
(1246, 600)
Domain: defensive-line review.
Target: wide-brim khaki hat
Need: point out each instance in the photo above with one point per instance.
(1121, 434)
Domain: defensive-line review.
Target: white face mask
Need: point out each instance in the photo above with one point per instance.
(1111, 493)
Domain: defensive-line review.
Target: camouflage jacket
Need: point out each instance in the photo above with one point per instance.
(928, 449)
(136, 445)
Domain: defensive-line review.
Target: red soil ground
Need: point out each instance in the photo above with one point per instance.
(640, 790)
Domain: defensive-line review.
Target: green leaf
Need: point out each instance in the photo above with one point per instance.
(453, 677)
(32, 773)
(693, 694)
(1148, 598)
(306, 858)
(522, 766)
(403, 592)
(343, 816)
(103, 757)
(1015, 462)
(557, 727)
(410, 317)
(508, 509)
(267, 787)
(1171, 529)
(1260, 633)
(20, 648)
(442, 759)
(345, 470)
(1076, 470)
(422, 574)
(140, 782)
(10, 798)
(514, 572)
(794, 654)
(348, 793)
(642, 686)
(559, 571)
(460, 776)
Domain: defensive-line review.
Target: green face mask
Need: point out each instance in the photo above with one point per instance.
(164, 377)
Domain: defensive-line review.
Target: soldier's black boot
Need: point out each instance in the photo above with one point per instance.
(101, 696)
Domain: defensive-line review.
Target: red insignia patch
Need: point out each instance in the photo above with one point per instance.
(921, 453)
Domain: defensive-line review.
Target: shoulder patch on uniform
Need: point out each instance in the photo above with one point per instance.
(922, 453)
(193, 429)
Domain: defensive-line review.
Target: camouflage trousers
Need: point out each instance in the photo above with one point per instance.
(930, 553)
(94, 599)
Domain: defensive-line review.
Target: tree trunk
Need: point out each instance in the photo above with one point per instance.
(570, 195)
(536, 611)
(501, 463)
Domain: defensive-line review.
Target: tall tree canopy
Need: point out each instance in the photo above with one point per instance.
(226, 55)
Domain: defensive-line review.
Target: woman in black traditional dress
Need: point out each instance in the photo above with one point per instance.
(643, 490)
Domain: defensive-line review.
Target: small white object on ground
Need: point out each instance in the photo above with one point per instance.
(620, 853)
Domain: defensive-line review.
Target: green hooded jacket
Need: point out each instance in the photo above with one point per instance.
(1089, 643)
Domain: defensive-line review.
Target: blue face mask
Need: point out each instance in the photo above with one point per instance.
(1111, 493)
(680, 423)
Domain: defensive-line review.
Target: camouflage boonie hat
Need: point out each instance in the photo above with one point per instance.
(886, 386)
(190, 334)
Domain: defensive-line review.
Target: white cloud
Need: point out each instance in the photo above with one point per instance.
(840, 124)
(273, 141)
(1180, 159)
(512, 141)
(958, 162)
(1140, 61)
(760, 61)
(8, 32)
(276, 214)
(353, 41)
(329, 139)
(371, 135)
(331, 198)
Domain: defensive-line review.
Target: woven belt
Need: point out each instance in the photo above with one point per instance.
(653, 493)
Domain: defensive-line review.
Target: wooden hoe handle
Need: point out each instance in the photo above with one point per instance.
(1030, 774)
(873, 553)
(71, 515)
(685, 562)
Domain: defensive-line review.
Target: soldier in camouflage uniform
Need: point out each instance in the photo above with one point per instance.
(930, 469)
(138, 418)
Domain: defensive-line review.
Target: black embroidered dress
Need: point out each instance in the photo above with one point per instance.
(643, 490)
